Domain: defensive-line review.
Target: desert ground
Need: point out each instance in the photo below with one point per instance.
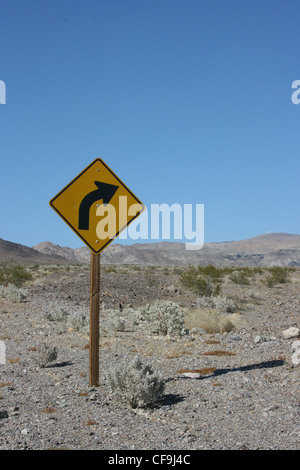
(230, 378)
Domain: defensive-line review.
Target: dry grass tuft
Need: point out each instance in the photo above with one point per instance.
(5, 384)
(90, 422)
(14, 360)
(49, 410)
(218, 353)
(205, 371)
(209, 320)
(177, 354)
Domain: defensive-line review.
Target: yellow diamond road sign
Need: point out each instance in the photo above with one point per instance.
(97, 205)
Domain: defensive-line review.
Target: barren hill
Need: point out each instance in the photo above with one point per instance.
(264, 250)
(20, 254)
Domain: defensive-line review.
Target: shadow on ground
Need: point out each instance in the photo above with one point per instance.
(218, 372)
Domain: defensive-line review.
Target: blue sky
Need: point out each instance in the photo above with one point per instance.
(188, 102)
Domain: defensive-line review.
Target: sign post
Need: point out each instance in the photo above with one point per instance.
(82, 205)
(94, 320)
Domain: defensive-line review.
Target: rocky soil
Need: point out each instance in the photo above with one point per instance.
(245, 393)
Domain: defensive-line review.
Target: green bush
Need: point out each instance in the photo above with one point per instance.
(212, 271)
(14, 274)
(278, 275)
(203, 285)
(241, 277)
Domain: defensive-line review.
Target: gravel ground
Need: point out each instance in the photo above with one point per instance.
(250, 398)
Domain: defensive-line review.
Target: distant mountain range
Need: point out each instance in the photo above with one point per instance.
(270, 249)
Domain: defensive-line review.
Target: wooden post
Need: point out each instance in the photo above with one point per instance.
(94, 320)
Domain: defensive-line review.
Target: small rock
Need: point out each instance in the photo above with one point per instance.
(191, 375)
(197, 331)
(14, 411)
(296, 358)
(235, 338)
(292, 332)
(295, 345)
(259, 339)
(3, 414)
(24, 432)
(14, 408)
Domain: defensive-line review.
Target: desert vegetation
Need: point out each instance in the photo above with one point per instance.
(14, 274)
(207, 280)
(184, 347)
(278, 275)
(135, 383)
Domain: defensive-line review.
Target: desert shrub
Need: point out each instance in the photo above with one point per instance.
(135, 383)
(109, 269)
(73, 317)
(13, 293)
(164, 318)
(240, 277)
(204, 302)
(56, 311)
(212, 271)
(131, 317)
(221, 304)
(269, 280)
(78, 320)
(257, 270)
(224, 304)
(178, 270)
(151, 279)
(277, 275)
(14, 274)
(209, 320)
(112, 321)
(45, 354)
(198, 283)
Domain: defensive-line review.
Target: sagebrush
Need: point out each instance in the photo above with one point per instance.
(12, 293)
(45, 355)
(135, 383)
(164, 318)
(74, 317)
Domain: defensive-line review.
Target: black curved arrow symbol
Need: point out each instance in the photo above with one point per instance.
(105, 191)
